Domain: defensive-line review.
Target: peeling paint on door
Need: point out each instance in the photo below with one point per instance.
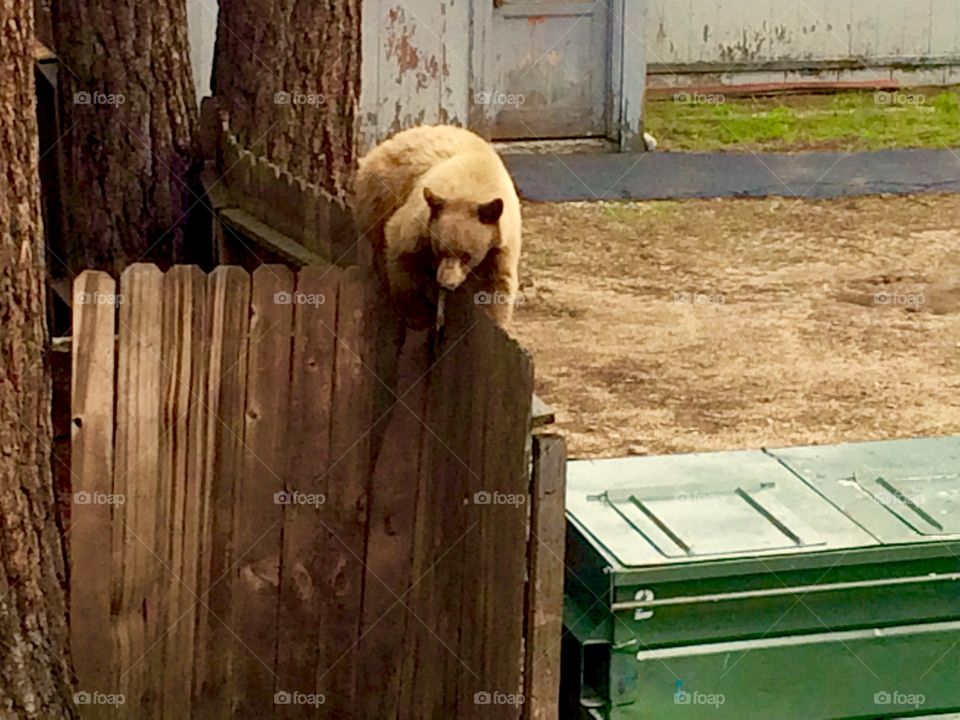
(524, 69)
(551, 70)
(415, 65)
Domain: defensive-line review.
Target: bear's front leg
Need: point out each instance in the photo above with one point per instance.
(502, 295)
(496, 278)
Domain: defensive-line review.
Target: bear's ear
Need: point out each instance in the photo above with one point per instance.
(434, 202)
(490, 212)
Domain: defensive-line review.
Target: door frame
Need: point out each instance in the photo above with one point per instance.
(627, 70)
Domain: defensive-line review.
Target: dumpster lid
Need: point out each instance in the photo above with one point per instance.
(901, 491)
(699, 507)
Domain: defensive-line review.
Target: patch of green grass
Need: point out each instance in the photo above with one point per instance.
(842, 121)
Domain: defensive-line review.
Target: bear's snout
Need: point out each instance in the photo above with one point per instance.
(451, 273)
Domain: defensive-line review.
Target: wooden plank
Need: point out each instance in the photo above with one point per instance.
(229, 307)
(137, 571)
(545, 583)
(259, 495)
(517, 444)
(267, 238)
(346, 507)
(478, 563)
(424, 694)
(315, 225)
(444, 522)
(452, 404)
(184, 364)
(341, 232)
(305, 540)
(798, 87)
(417, 597)
(542, 413)
(389, 563)
(505, 522)
(91, 466)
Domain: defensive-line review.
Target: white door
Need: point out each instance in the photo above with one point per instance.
(547, 71)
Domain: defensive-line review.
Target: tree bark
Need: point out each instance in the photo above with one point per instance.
(288, 73)
(129, 111)
(34, 674)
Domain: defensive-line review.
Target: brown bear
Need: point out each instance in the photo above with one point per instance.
(441, 212)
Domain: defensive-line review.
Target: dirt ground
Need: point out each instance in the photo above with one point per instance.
(722, 324)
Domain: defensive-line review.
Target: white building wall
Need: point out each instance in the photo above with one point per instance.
(202, 35)
(757, 35)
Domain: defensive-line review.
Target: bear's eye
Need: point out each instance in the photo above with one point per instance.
(465, 258)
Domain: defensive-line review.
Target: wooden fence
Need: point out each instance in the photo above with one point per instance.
(262, 213)
(282, 507)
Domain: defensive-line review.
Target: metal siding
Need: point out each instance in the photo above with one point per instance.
(724, 31)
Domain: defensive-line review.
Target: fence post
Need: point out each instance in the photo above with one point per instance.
(545, 585)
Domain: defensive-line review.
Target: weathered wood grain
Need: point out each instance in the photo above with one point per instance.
(475, 594)
(91, 467)
(215, 643)
(505, 518)
(389, 563)
(183, 361)
(388, 578)
(347, 496)
(450, 439)
(305, 540)
(258, 494)
(545, 585)
(138, 569)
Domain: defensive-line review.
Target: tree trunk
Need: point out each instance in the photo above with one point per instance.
(128, 111)
(288, 73)
(34, 675)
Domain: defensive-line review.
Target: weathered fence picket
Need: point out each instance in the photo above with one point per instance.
(228, 298)
(90, 533)
(136, 479)
(545, 586)
(316, 511)
(258, 512)
(183, 362)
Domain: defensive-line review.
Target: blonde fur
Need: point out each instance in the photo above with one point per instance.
(465, 171)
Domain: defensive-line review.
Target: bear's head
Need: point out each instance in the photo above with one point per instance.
(462, 232)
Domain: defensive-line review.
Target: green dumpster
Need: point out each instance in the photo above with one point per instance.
(813, 582)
